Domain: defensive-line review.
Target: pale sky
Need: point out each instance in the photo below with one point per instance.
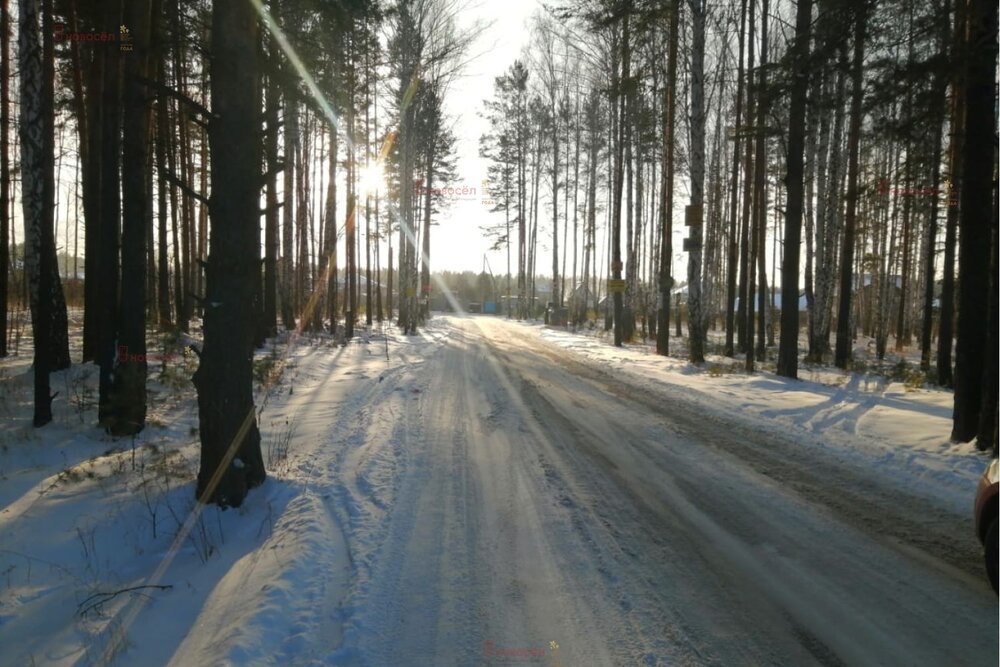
(458, 244)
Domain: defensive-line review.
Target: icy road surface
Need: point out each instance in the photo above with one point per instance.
(506, 503)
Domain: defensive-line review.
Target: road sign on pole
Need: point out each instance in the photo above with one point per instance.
(690, 244)
(616, 286)
(692, 215)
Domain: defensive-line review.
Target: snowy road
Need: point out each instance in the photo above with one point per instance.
(507, 503)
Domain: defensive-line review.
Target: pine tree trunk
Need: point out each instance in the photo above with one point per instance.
(744, 313)
(270, 296)
(5, 218)
(107, 272)
(946, 322)
(842, 357)
(163, 274)
(129, 397)
(976, 221)
(732, 257)
(288, 209)
(696, 322)
(619, 177)
(231, 460)
(59, 327)
(628, 309)
(330, 237)
(759, 221)
(939, 89)
(36, 199)
(788, 350)
(986, 437)
(665, 282)
(425, 268)
(302, 222)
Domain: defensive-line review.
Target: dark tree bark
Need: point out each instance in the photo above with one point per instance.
(58, 334)
(302, 222)
(986, 437)
(696, 318)
(744, 313)
(425, 241)
(733, 245)
(231, 461)
(4, 169)
(939, 89)
(37, 197)
(288, 222)
(129, 392)
(330, 237)
(976, 220)
(759, 216)
(619, 182)
(183, 156)
(946, 324)
(87, 108)
(788, 347)
(270, 304)
(162, 129)
(667, 188)
(107, 270)
(351, 264)
(842, 356)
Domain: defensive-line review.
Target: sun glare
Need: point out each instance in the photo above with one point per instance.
(372, 178)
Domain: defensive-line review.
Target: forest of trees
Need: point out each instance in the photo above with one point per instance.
(818, 144)
(256, 166)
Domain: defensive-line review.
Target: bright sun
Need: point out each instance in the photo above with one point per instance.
(371, 179)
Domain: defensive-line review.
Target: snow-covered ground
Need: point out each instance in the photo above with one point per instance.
(899, 429)
(490, 492)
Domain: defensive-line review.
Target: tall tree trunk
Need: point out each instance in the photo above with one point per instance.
(288, 210)
(107, 273)
(733, 246)
(759, 222)
(425, 268)
(162, 129)
(270, 305)
(986, 437)
(842, 357)
(4, 169)
(302, 222)
(667, 186)
(330, 237)
(946, 322)
(744, 313)
(37, 198)
(182, 152)
(788, 347)
(939, 88)
(976, 221)
(231, 460)
(351, 227)
(619, 178)
(696, 318)
(129, 396)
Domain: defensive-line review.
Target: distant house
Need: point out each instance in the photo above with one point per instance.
(581, 295)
